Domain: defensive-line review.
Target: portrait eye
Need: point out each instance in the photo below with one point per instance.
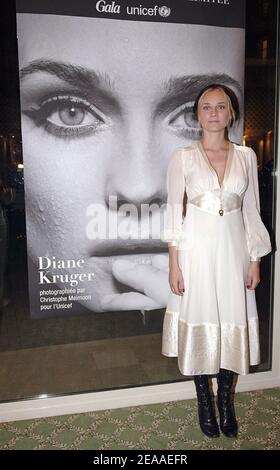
(65, 116)
(184, 121)
(70, 115)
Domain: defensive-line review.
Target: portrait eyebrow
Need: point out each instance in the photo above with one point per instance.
(90, 82)
(180, 90)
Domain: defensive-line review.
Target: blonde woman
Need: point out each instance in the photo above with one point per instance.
(211, 319)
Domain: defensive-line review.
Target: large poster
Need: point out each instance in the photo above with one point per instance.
(107, 89)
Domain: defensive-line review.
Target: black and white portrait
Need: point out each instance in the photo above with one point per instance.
(104, 104)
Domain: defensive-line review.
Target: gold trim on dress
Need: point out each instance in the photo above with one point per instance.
(205, 347)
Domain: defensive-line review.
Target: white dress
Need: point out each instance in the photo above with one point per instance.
(214, 324)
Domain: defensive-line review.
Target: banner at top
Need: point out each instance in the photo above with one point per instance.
(226, 13)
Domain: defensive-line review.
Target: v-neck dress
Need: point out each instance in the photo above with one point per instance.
(214, 324)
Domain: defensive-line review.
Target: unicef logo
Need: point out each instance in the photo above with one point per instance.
(164, 11)
(112, 7)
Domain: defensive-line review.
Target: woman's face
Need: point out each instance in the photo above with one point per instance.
(104, 105)
(213, 111)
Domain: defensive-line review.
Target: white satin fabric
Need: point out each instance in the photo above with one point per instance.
(215, 323)
(217, 201)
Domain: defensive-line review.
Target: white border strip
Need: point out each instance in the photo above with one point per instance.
(82, 403)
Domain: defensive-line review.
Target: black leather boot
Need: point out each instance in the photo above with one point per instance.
(207, 419)
(228, 423)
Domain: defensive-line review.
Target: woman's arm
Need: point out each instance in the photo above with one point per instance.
(174, 218)
(257, 236)
(175, 184)
(258, 240)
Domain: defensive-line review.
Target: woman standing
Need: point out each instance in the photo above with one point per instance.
(211, 319)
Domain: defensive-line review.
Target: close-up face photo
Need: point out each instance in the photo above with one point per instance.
(104, 105)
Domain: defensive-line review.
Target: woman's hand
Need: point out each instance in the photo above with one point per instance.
(253, 276)
(176, 280)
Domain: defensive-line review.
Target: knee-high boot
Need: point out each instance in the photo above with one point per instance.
(206, 414)
(228, 423)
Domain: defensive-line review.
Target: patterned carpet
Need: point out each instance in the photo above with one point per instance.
(170, 426)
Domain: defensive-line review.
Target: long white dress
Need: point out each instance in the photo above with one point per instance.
(214, 324)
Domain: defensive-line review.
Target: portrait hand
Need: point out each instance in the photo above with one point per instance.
(253, 276)
(150, 280)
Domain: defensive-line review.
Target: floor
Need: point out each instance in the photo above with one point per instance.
(171, 426)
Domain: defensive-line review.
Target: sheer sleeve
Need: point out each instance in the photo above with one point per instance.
(257, 237)
(175, 183)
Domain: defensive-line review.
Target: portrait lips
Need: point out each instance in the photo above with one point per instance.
(131, 247)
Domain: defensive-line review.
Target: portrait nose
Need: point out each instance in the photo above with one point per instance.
(139, 178)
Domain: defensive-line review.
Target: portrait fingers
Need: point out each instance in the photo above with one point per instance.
(145, 278)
